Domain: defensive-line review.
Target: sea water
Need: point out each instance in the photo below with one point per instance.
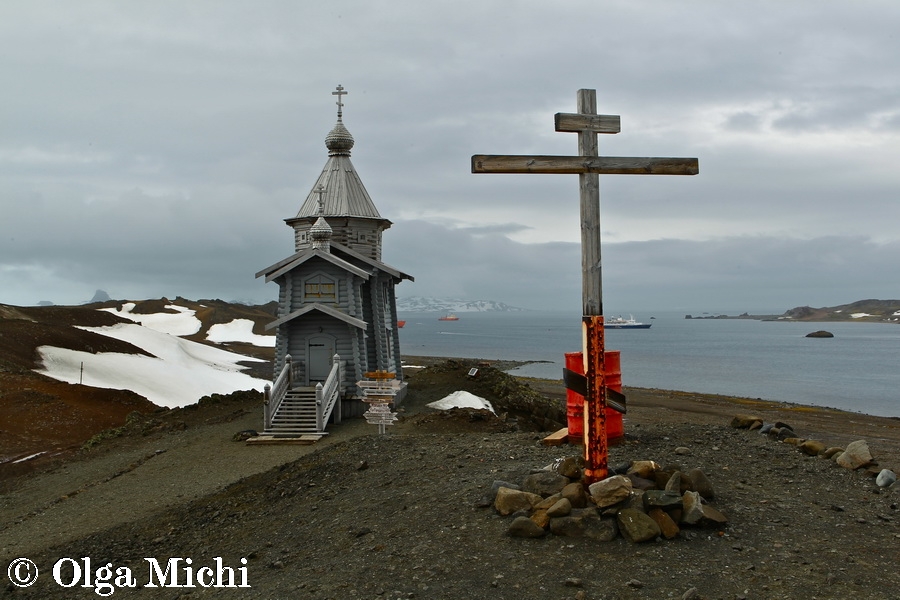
(857, 370)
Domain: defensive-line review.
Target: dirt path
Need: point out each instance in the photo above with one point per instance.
(133, 478)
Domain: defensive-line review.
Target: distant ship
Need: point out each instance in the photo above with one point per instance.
(448, 317)
(620, 323)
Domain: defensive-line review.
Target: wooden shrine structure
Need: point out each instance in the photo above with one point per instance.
(337, 308)
(589, 165)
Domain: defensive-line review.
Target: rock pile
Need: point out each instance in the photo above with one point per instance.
(856, 456)
(640, 500)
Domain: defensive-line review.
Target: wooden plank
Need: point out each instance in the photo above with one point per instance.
(601, 165)
(557, 439)
(574, 122)
(589, 212)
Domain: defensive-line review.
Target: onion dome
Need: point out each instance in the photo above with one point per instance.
(320, 233)
(339, 141)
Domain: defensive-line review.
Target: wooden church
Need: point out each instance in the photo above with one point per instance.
(337, 310)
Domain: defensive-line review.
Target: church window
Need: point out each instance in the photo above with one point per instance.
(320, 288)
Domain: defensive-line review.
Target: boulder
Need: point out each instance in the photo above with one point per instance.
(812, 447)
(744, 421)
(509, 501)
(661, 499)
(667, 526)
(545, 483)
(561, 508)
(570, 467)
(525, 528)
(692, 512)
(611, 490)
(643, 468)
(831, 452)
(636, 526)
(576, 523)
(575, 494)
(885, 478)
(701, 484)
(855, 456)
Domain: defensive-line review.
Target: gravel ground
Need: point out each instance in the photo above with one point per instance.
(399, 515)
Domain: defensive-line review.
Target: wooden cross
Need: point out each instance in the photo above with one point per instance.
(589, 166)
(339, 92)
(320, 190)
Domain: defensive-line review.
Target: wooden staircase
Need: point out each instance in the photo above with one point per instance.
(296, 417)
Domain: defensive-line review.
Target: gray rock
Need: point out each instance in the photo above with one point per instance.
(855, 456)
(524, 527)
(712, 516)
(785, 433)
(661, 499)
(679, 483)
(831, 452)
(576, 523)
(498, 483)
(693, 509)
(545, 483)
(509, 501)
(561, 508)
(682, 450)
(570, 467)
(885, 478)
(611, 490)
(636, 526)
(701, 484)
(574, 493)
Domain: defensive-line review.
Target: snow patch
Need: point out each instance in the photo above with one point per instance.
(29, 457)
(179, 373)
(239, 330)
(859, 315)
(181, 323)
(461, 399)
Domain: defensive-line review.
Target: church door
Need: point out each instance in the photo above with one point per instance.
(319, 352)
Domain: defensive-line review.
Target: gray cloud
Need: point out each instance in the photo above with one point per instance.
(154, 149)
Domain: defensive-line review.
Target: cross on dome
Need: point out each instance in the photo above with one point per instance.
(339, 92)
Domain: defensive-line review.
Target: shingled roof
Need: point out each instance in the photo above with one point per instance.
(345, 195)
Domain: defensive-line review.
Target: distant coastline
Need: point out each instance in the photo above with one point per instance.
(865, 311)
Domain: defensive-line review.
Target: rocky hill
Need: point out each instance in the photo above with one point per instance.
(872, 311)
(44, 417)
(861, 310)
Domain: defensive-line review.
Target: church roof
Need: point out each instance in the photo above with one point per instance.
(322, 308)
(275, 271)
(345, 195)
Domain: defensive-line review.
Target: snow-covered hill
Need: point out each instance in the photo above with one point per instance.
(420, 304)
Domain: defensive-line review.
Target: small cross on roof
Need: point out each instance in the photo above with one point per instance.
(339, 92)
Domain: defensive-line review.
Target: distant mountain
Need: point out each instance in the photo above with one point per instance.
(872, 311)
(100, 296)
(420, 304)
(861, 310)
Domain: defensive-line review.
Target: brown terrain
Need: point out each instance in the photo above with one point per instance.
(403, 515)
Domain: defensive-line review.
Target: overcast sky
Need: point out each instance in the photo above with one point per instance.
(154, 148)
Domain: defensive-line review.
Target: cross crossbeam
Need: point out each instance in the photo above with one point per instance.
(588, 165)
(573, 165)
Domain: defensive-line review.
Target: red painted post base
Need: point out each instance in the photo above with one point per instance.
(596, 456)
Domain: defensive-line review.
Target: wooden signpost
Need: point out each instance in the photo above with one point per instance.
(589, 166)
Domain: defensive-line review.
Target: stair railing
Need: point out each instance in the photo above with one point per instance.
(275, 395)
(328, 396)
